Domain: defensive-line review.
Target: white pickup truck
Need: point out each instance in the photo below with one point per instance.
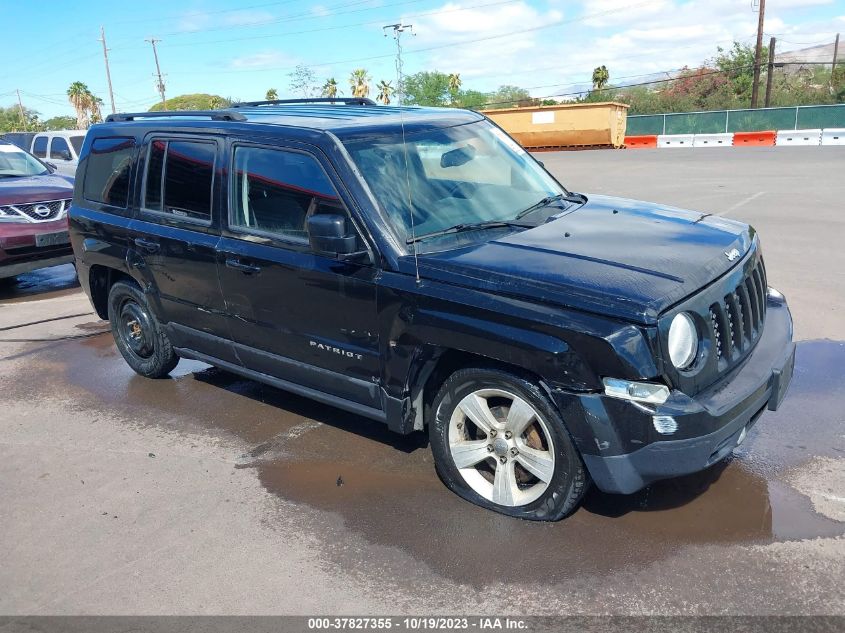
(60, 148)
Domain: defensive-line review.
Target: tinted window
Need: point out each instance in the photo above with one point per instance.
(39, 147)
(275, 191)
(181, 174)
(77, 141)
(107, 172)
(57, 146)
(155, 168)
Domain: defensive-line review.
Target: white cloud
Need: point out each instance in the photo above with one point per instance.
(265, 59)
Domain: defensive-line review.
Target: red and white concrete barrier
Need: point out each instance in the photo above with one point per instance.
(828, 136)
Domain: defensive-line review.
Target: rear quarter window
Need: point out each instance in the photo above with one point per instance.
(107, 171)
(39, 147)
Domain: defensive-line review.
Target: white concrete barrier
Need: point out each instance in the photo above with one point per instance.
(833, 136)
(713, 140)
(674, 140)
(798, 137)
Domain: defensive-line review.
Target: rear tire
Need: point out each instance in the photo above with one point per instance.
(137, 333)
(499, 443)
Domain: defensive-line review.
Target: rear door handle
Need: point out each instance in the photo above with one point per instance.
(233, 262)
(146, 245)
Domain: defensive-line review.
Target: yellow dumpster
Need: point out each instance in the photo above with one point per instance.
(564, 126)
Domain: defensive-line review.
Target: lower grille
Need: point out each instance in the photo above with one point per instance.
(738, 319)
(36, 211)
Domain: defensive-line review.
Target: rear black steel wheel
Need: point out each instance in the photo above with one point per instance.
(137, 333)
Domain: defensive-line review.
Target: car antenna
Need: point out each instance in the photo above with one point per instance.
(398, 29)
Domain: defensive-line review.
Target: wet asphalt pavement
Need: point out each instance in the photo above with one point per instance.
(208, 493)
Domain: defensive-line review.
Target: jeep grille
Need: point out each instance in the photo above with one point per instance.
(737, 320)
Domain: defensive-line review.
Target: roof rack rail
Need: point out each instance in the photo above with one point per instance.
(344, 100)
(214, 115)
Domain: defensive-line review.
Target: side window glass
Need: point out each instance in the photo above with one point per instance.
(180, 177)
(60, 149)
(39, 147)
(107, 171)
(275, 191)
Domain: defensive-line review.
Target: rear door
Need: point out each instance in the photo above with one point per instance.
(295, 314)
(175, 237)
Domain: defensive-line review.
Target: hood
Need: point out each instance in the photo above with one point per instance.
(612, 256)
(35, 189)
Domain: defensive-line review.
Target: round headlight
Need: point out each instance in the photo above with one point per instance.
(683, 341)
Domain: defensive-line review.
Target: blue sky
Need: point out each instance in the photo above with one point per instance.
(242, 49)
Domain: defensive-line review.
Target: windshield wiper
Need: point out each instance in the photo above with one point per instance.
(549, 200)
(472, 226)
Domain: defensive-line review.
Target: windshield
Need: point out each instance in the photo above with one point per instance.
(461, 175)
(14, 162)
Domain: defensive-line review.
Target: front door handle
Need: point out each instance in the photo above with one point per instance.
(237, 264)
(146, 245)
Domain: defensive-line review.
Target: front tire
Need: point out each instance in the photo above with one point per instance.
(137, 333)
(499, 443)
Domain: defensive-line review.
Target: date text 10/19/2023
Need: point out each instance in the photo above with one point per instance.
(430, 623)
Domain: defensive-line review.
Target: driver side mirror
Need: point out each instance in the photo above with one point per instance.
(64, 154)
(327, 234)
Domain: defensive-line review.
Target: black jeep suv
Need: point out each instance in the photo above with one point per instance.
(417, 266)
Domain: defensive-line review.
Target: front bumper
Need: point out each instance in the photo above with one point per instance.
(19, 249)
(624, 452)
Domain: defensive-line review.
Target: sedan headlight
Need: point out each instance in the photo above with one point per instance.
(683, 341)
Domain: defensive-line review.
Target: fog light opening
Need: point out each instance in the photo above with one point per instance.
(664, 424)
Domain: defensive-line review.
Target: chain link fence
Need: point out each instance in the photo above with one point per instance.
(794, 118)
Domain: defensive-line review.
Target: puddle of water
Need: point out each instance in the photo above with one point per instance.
(391, 496)
(44, 283)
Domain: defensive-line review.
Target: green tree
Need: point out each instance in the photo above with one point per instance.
(510, 97)
(472, 99)
(330, 88)
(359, 81)
(271, 95)
(195, 101)
(303, 81)
(60, 123)
(600, 77)
(737, 65)
(11, 121)
(426, 88)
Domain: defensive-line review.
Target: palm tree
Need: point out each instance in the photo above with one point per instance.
(359, 80)
(94, 107)
(79, 97)
(454, 86)
(385, 91)
(600, 77)
(271, 95)
(330, 88)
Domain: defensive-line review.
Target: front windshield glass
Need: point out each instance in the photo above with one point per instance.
(14, 162)
(460, 175)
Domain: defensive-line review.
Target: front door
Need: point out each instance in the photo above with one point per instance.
(175, 238)
(294, 314)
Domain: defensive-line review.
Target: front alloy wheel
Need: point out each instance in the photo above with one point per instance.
(500, 443)
(501, 447)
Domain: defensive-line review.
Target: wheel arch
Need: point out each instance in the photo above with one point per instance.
(101, 278)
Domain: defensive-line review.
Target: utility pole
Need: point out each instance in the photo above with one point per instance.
(20, 106)
(398, 29)
(160, 82)
(835, 53)
(758, 53)
(108, 73)
(771, 72)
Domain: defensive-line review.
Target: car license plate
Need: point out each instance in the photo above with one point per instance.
(52, 239)
(781, 377)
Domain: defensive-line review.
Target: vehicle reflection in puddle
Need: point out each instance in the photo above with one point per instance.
(44, 283)
(385, 489)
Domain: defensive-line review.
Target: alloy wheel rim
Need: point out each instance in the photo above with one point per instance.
(502, 447)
